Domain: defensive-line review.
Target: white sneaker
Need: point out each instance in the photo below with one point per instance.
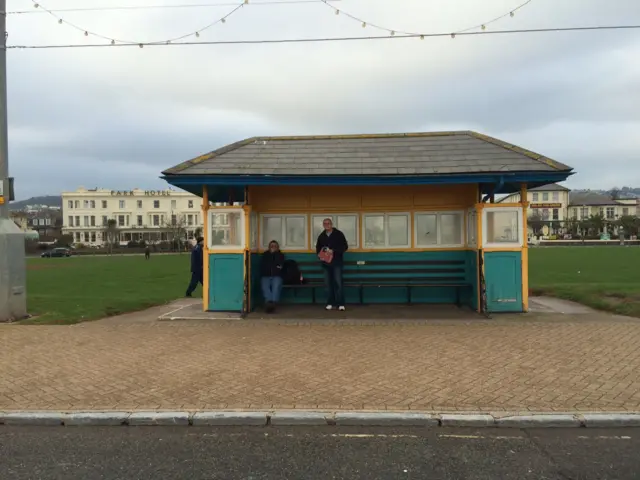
(341, 308)
(329, 307)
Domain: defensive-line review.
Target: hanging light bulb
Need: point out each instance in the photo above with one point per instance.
(60, 21)
(86, 34)
(197, 34)
(513, 14)
(393, 33)
(421, 37)
(223, 20)
(113, 42)
(36, 5)
(484, 27)
(141, 45)
(453, 35)
(337, 12)
(364, 24)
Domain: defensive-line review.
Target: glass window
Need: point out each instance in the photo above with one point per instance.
(374, 231)
(535, 197)
(71, 221)
(556, 196)
(156, 204)
(227, 229)
(472, 229)
(346, 223)
(104, 204)
(290, 231)
(139, 220)
(121, 204)
(386, 230)
(441, 228)
(556, 214)
(70, 203)
(272, 230)
(139, 204)
(253, 225)
(502, 226)
(625, 211)
(610, 212)
(545, 197)
(190, 203)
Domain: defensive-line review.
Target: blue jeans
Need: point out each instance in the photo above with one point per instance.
(333, 284)
(271, 288)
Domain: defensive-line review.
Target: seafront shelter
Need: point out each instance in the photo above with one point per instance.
(418, 211)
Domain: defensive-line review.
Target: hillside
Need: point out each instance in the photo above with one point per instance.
(49, 200)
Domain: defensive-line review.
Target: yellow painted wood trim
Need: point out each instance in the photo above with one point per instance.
(361, 210)
(503, 249)
(525, 249)
(205, 254)
(222, 252)
(479, 241)
(503, 205)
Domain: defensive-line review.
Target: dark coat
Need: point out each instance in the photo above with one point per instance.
(271, 264)
(197, 260)
(336, 242)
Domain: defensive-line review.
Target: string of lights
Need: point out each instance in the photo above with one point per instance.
(392, 32)
(334, 39)
(160, 7)
(116, 41)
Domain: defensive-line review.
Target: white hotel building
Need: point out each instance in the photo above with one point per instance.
(150, 215)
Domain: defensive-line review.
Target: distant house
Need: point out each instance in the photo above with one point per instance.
(583, 205)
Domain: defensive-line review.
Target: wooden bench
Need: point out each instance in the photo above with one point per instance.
(389, 273)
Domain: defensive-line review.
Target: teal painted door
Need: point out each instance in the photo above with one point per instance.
(503, 276)
(226, 282)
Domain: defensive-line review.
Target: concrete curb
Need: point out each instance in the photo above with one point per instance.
(318, 418)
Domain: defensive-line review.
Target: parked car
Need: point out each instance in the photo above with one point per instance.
(57, 252)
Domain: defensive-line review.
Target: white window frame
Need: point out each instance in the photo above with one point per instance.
(241, 231)
(472, 233)
(386, 245)
(463, 225)
(486, 244)
(264, 242)
(332, 216)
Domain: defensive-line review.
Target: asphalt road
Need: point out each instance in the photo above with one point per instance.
(316, 453)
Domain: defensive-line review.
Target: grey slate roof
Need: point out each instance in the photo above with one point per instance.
(590, 198)
(387, 154)
(552, 187)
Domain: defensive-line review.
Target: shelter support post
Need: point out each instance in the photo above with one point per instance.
(525, 248)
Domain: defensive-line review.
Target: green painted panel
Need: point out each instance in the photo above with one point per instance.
(226, 282)
(503, 276)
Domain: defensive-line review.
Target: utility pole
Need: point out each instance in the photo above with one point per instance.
(13, 296)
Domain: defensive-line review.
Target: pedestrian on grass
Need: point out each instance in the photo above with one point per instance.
(147, 252)
(271, 266)
(330, 249)
(197, 266)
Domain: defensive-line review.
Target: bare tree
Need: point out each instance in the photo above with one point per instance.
(176, 230)
(111, 234)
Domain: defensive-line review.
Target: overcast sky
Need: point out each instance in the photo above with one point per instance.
(116, 117)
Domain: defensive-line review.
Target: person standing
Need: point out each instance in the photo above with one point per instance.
(197, 266)
(147, 252)
(330, 249)
(271, 267)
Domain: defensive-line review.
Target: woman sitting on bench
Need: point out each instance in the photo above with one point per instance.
(271, 275)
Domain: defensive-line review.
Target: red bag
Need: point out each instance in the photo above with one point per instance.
(326, 255)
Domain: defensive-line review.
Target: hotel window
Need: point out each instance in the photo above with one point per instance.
(139, 220)
(121, 220)
(190, 203)
(92, 203)
(105, 220)
(545, 214)
(156, 220)
(535, 197)
(584, 213)
(625, 211)
(77, 220)
(77, 236)
(556, 214)
(189, 220)
(93, 221)
(347, 223)
(574, 213)
(290, 231)
(86, 221)
(556, 196)
(76, 204)
(174, 204)
(439, 229)
(104, 204)
(156, 204)
(502, 226)
(226, 229)
(472, 228)
(85, 204)
(86, 237)
(139, 203)
(545, 197)
(174, 219)
(70, 203)
(93, 237)
(386, 230)
(71, 221)
(121, 203)
(611, 213)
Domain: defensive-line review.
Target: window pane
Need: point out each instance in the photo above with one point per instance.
(272, 230)
(398, 230)
(348, 224)
(317, 226)
(426, 229)
(450, 229)
(472, 227)
(374, 231)
(296, 228)
(226, 229)
(503, 227)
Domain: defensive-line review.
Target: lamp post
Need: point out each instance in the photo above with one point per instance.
(13, 297)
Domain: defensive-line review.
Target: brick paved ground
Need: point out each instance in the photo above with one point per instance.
(513, 363)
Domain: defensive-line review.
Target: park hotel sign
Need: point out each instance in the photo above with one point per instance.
(148, 193)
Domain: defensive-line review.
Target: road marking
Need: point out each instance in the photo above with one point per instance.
(604, 437)
(478, 437)
(370, 435)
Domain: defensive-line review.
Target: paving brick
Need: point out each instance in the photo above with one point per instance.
(512, 363)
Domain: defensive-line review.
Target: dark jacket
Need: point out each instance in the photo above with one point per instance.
(197, 260)
(336, 242)
(271, 264)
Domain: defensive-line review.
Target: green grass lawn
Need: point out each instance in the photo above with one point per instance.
(606, 278)
(71, 290)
